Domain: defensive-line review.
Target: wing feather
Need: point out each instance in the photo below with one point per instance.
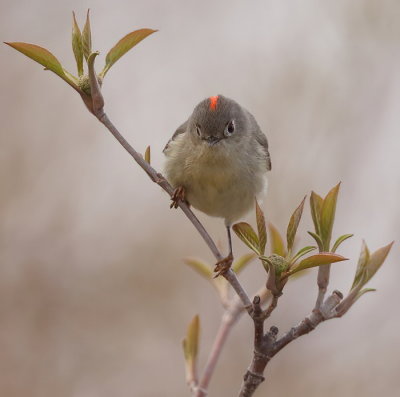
(179, 131)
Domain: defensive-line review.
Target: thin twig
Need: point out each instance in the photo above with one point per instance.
(272, 306)
(229, 318)
(230, 276)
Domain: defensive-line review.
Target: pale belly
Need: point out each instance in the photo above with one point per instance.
(216, 187)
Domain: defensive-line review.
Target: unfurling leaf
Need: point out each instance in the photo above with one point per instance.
(147, 154)
(363, 291)
(316, 202)
(293, 225)
(323, 258)
(277, 244)
(302, 252)
(77, 45)
(317, 240)
(359, 278)
(367, 266)
(340, 241)
(262, 230)
(200, 267)
(376, 260)
(275, 266)
(190, 348)
(87, 38)
(276, 262)
(246, 233)
(240, 263)
(328, 215)
(123, 46)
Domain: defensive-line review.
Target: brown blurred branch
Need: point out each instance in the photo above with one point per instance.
(234, 309)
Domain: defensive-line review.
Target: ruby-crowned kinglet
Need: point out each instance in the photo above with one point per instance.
(217, 161)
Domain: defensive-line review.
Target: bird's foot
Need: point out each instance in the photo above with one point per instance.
(178, 196)
(222, 266)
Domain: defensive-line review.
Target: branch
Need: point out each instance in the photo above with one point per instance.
(266, 346)
(326, 312)
(263, 344)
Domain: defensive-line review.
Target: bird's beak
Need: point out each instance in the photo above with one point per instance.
(212, 140)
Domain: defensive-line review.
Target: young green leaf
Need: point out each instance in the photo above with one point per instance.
(361, 266)
(240, 263)
(340, 241)
(246, 233)
(293, 225)
(316, 202)
(77, 45)
(262, 230)
(123, 46)
(317, 240)
(190, 348)
(200, 267)
(147, 154)
(328, 215)
(376, 260)
(323, 258)
(40, 55)
(277, 244)
(87, 37)
(302, 252)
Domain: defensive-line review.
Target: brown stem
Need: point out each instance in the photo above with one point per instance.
(262, 351)
(322, 281)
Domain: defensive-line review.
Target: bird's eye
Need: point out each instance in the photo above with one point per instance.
(230, 128)
(198, 130)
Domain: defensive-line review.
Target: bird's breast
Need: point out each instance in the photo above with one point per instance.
(219, 184)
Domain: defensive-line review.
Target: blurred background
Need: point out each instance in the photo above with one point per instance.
(94, 296)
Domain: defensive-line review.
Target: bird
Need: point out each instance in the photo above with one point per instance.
(217, 161)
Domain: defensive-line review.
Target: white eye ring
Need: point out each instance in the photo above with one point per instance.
(198, 130)
(230, 128)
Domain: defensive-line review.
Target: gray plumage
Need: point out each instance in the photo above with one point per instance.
(220, 156)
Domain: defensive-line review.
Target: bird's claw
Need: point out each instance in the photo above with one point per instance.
(222, 266)
(177, 196)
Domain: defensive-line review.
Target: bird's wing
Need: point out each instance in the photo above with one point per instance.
(262, 140)
(180, 130)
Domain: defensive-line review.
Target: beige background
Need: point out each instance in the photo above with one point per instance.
(94, 298)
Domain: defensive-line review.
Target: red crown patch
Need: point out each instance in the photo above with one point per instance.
(213, 102)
